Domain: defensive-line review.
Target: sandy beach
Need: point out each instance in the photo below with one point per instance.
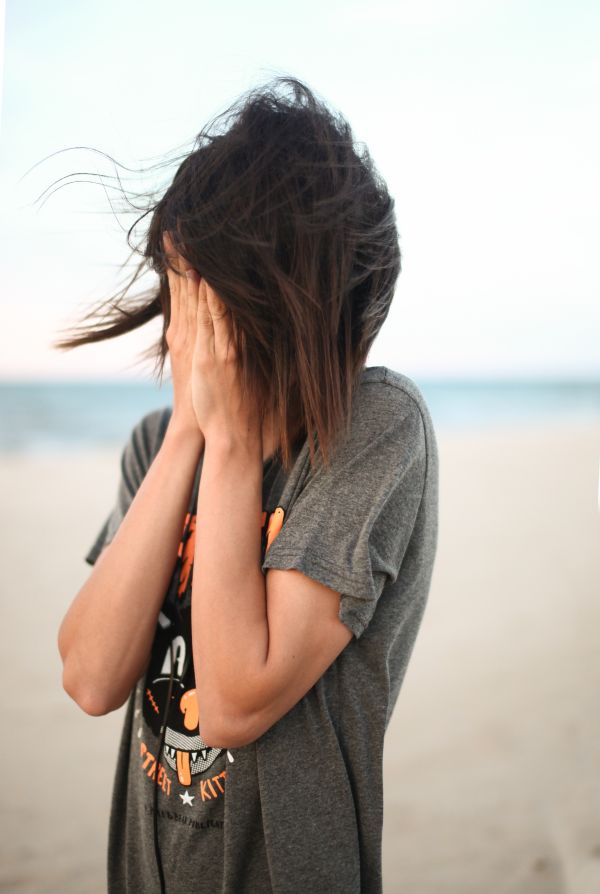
(492, 759)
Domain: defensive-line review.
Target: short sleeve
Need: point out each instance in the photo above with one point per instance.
(136, 458)
(350, 526)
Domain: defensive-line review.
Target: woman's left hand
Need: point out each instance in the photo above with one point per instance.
(216, 391)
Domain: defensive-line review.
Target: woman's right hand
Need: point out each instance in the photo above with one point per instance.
(181, 337)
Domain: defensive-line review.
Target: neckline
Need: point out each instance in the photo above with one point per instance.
(369, 373)
(275, 457)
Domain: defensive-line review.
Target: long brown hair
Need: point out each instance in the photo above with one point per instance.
(289, 221)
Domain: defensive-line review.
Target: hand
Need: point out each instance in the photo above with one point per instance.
(221, 413)
(181, 337)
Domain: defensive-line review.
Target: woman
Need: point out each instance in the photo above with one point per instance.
(260, 581)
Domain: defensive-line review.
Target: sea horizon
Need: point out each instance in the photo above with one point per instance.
(55, 415)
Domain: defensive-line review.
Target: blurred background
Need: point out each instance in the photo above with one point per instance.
(482, 116)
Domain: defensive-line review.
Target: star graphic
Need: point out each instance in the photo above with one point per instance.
(187, 798)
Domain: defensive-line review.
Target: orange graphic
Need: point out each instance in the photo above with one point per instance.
(207, 783)
(151, 699)
(186, 552)
(188, 704)
(275, 524)
(209, 788)
(149, 764)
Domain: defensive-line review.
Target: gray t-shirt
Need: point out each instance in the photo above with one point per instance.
(301, 808)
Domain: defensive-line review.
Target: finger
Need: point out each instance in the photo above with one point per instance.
(173, 301)
(192, 284)
(173, 281)
(176, 261)
(172, 255)
(167, 243)
(205, 333)
(178, 286)
(170, 250)
(220, 320)
(176, 302)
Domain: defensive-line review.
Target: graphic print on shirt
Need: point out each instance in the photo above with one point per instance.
(184, 751)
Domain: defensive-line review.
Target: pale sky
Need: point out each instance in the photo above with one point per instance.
(481, 116)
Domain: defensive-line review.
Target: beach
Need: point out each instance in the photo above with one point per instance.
(492, 756)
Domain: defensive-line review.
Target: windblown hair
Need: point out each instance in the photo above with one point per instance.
(291, 224)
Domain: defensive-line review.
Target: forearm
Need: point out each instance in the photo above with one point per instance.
(229, 613)
(106, 635)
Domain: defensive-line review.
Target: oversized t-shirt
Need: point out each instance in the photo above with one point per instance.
(300, 808)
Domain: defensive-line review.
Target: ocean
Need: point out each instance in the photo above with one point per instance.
(49, 416)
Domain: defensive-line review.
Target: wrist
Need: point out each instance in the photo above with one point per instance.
(232, 450)
(183, 434)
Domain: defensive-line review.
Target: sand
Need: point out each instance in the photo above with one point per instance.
(492, 758)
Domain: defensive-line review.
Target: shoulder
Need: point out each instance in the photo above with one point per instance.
(388, 387)
(388, 400)
(385, 396)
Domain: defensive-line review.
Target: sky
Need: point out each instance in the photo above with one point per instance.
(481, 116)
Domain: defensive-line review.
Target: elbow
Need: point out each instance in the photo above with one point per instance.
(91, 705)
(220, 727)
(91, 700)
(219, 738)
(88, 702)
(61, 642)
(228, 733)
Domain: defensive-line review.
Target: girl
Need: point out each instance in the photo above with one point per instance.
(259, 583)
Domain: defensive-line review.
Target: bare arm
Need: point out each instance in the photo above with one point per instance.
(106, 635)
